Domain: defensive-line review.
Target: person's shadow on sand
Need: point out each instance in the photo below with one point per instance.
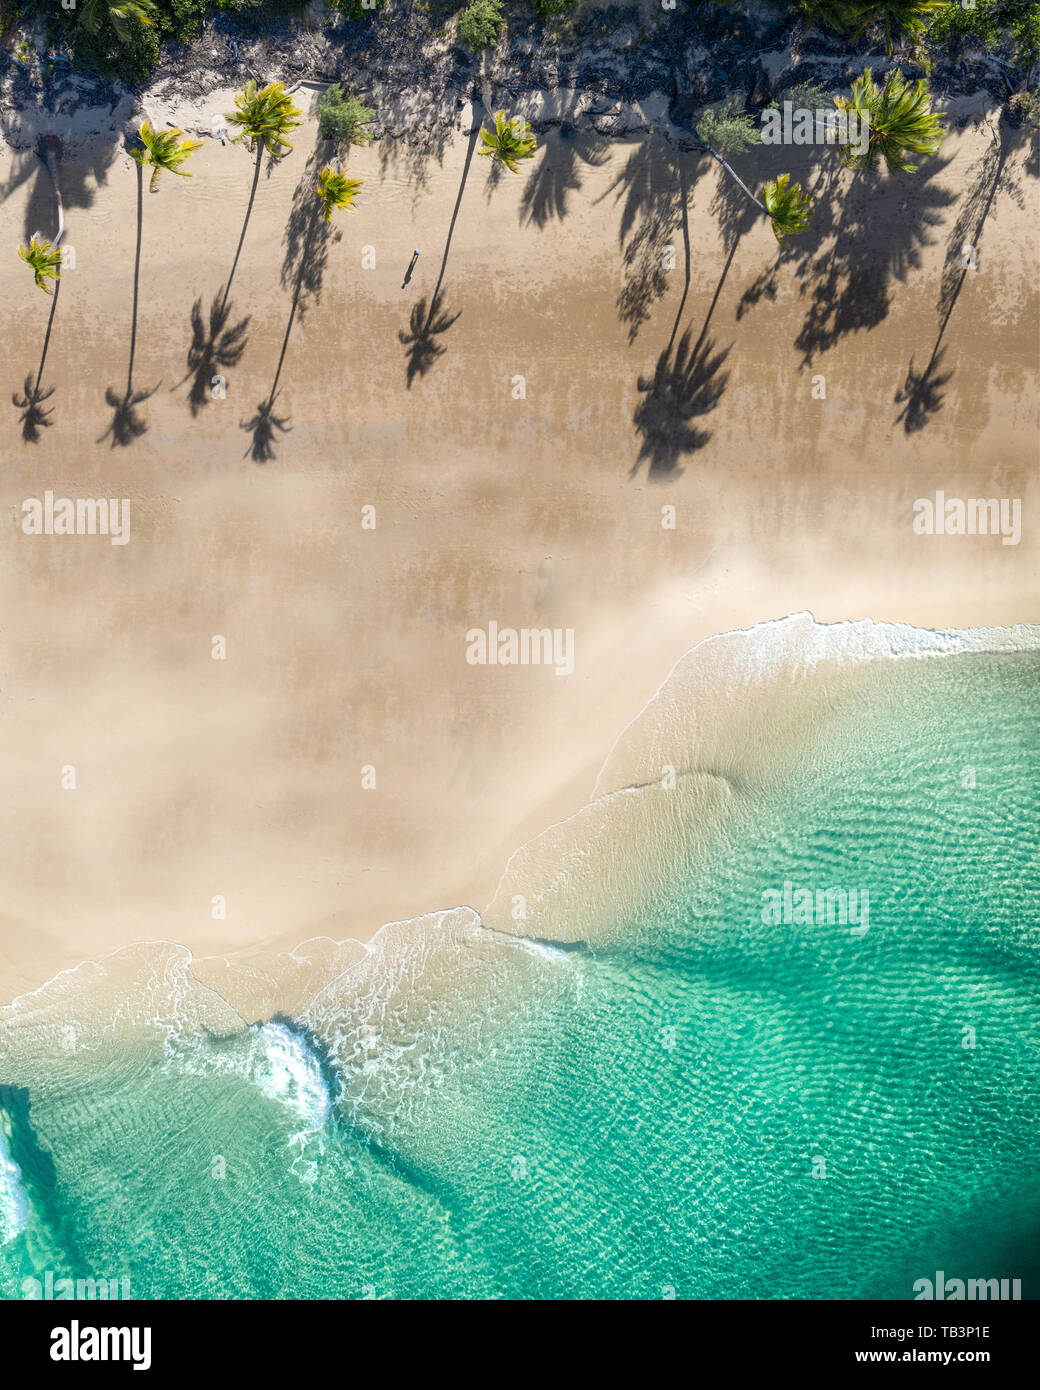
(428, 322)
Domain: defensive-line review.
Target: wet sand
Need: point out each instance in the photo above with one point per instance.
(346, 646)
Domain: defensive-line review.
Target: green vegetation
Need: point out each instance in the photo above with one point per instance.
(163, 149)
(124, 38)
(839, 15)
(1010, 25)
(335, 190)
(901, 121)
(992, 24)
(727, 130)
(355, 9)
(509, 142)
(266, 116)
(788, 205)
(1025, 107)
(811, 96)
(118, 15)
(43, 259)
(909, 17)
(342, 116)
(480, 24)
(546, 8)
(855, 17)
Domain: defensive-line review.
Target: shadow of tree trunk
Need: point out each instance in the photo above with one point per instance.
(688, 382)
(127, 424)
(265, 424)
(218, 346)
(922, 395)
(429, 321)
(34, 417)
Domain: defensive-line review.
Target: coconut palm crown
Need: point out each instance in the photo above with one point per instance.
(163, 149)
(899, 119)
(788, 205)
(119, 13)
(835, 14)
(266, 117)
(44, 259)
(510, 141)
(910, 17)
(335, 190)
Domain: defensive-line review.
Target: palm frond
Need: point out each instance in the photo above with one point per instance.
(266, 117)
(44, 259)
(910, 17)
(163, 149)
(510, 141)
(335, 190)
(899, 120)
(788, 205)
(119, 15)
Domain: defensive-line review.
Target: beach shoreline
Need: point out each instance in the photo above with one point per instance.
(243, 779)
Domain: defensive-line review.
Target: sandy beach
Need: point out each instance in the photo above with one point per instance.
(566, 389)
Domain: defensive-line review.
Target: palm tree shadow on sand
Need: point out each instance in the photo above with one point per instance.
(218, 346)
(35, 417)
(127, 425)
(557, 174)
(650, 198)
(306, 258)
(428, 321)
(424, 327)
(687, 383)
(921, 395)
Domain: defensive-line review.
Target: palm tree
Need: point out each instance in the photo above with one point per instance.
(266, 117)
(909, 16)
(163, 149)
(335, 190)
(788, 206)
(899, 120)
(510, 141)
(94, 13)
(836, 14)
(44, 259)
(43, 255)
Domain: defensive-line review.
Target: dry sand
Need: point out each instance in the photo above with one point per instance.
(346, 647)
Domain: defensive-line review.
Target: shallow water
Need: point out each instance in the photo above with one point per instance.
(700, 1104)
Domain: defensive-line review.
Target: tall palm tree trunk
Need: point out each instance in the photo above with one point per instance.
(315, 221)
(137, 281)
(729, 170)
(485, 85)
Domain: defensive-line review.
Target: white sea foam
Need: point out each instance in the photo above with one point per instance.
(728, 718)
(286, 1070)
(14, 1204)
(722, 730)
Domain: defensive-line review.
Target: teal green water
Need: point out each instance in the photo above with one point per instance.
(711, 1107)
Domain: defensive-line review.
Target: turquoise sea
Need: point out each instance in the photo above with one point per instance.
(692, 1100)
